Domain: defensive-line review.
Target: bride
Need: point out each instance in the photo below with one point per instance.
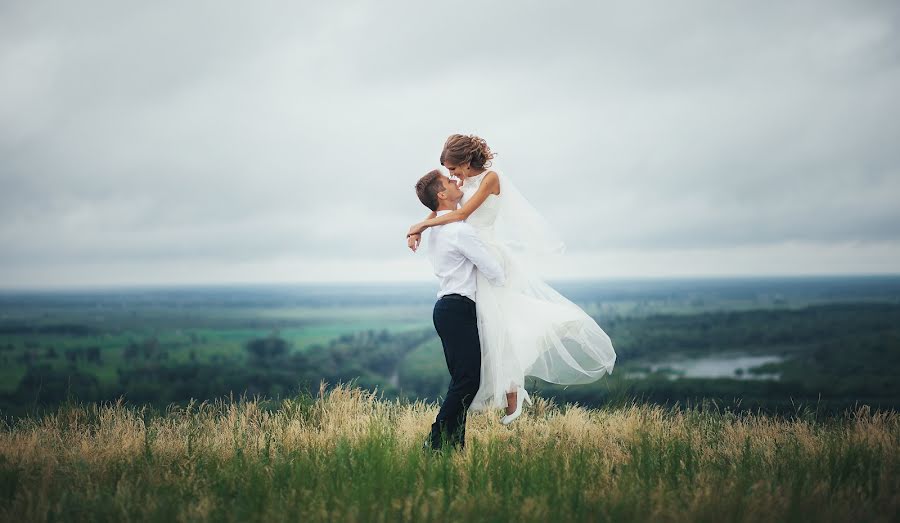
(526, 328)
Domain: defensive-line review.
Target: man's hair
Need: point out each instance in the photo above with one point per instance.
(428, 187)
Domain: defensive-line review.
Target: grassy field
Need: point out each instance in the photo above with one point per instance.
(347, 455)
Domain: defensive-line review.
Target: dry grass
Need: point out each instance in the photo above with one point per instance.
(348, 455)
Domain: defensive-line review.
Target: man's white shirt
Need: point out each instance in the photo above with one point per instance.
(456, 252)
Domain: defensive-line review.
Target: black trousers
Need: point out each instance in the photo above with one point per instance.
(454, 320)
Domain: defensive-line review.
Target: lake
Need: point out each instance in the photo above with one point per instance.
(718, 366)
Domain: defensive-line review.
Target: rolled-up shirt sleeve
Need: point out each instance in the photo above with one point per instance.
(471, 246)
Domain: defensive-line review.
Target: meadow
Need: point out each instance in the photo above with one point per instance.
(312, 402)
(346, 454)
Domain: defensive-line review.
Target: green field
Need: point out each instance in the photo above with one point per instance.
(348, 456)
(210, 333)
(209, 404)
(832, 342)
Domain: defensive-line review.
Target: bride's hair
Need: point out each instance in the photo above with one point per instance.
(460, 149)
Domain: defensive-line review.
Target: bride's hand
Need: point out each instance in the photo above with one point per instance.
(413, 241)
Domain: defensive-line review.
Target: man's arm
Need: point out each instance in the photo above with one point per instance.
(414, 240)
(471, 246)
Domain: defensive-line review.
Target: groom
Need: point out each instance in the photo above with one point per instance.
(456, 252)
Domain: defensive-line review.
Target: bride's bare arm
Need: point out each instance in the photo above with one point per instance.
(490, 185)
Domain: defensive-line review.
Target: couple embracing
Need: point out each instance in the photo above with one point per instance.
(497, 320)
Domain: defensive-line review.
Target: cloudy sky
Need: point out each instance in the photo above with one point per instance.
(201, 142)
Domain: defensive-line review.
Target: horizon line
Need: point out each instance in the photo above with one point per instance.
(384, 283)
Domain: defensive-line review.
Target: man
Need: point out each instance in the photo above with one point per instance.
(456, 252)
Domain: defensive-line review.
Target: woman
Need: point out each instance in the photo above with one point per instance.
(526, 328)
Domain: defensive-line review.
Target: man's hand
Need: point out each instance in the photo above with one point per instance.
(415, 229)
(413, 241)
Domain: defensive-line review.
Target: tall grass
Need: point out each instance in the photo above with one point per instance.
(347, 455)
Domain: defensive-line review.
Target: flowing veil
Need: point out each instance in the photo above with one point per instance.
(526, 327)
(523, 230)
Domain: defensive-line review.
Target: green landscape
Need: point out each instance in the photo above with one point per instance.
(770, 344)
(745, 399)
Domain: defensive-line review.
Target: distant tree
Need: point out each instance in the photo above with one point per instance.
(93, 355)
(150, 347)
(267, 350)
(130, 352)
(28, 357)
(43, 384)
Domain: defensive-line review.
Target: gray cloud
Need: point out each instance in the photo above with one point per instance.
(262, 130)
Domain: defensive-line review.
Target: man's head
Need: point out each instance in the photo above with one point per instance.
(437, 192)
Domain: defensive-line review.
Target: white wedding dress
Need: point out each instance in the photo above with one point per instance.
(527, 328)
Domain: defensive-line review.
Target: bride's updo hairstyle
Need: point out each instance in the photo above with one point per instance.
(461, 149)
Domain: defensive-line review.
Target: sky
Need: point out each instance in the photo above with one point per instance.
(244, 142)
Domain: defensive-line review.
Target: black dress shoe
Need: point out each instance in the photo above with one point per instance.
(427, 448)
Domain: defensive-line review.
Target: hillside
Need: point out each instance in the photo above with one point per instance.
(347, 455)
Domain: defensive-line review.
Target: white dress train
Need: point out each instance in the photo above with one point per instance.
(527, 328)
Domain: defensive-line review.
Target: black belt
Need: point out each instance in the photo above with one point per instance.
(457, 297)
